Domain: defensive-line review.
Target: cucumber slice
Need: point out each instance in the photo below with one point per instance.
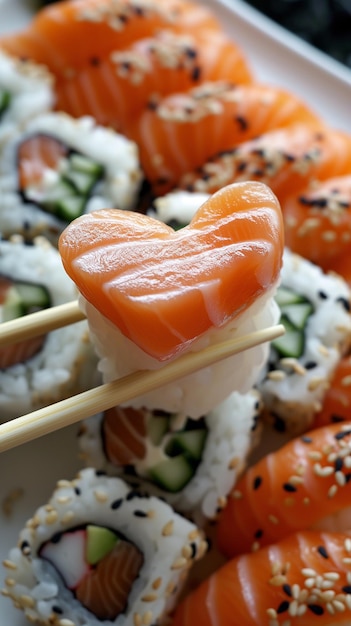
(24, 298)
(5, 100)
(70, 208)
(292, 343)
(189, 441)
(100, 542)
(81, 163)
(285, 296)
(157, 427)
(298, 314)
(173, 474)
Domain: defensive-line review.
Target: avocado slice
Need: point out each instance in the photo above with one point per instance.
(100, 541)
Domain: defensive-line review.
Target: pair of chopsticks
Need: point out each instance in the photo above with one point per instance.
(48, 419)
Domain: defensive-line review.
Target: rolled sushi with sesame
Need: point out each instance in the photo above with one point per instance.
(38, 371)
(315, 310)
(26, 91)
(101, 553)
(193, 464)
(57, 168)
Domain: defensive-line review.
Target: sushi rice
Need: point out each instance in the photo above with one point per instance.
(26, 91)
(66, 364)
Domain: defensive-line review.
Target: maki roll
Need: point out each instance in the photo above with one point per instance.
(101, 553)
(59, 168)
(151, 293)
(315, 310)
(193, 464)
(26, 91)
(36, 372)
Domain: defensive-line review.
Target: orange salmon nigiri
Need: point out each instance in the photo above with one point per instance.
(287, 159)
(318, 221)
(304, 580)
(117, 88)
(68, 36)
(337, 400)
(163, 288)
(303, 485)
(186, 129)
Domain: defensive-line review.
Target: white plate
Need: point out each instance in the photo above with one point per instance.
(276, 57)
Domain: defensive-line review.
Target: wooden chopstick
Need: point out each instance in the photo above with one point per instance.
(40, 323)
(99, 399)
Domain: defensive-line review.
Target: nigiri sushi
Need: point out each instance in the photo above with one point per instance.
(336, 405)
(303, 580)
(318, 221)
(184, 130)
(287, 159)
(305, 484)
(101, 27)
(117, 88)
(163, 292)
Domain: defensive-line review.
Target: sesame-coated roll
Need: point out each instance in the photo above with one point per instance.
(315, 310)
(101, 553)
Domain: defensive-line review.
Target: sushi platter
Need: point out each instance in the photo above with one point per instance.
(30, 472)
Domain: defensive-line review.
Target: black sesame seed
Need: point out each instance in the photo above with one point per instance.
(116, 504)
(316, 609)
(339, 463)
(133, 494)
(259, 172)
(347, 589)
(283, 606)
(257, 482)
(25, 546)
(323, 552)
(56, 538)
(100, 473)
(258, 534)
(196, 74)
(347, 477)
(306, 439)
(287, 589)
(289, 487)
(241, 121)
(138, 513)
(289, 157)
(77, 491)
(335, 419)
(193, 547)
(323, 295)
(342, 434)
(310, 365)
(278, 424)
(241, 167)
(57, 609)
(345, 303)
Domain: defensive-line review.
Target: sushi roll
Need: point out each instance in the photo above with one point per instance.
(26, 91)
(191, 464)
(36, 372)
(151, 293)
(315, 310)
(101, 553)
(58, 168)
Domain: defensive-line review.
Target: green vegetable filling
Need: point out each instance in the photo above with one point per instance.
(295, 312)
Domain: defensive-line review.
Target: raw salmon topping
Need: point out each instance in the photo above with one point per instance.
(163, 289)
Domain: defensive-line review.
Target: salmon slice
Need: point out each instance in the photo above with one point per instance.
(300, 486)
(337, 400)
(164, 288)
(105, 589)
(100, 27)
(124, 435)
(35, 155)
(187, 129)
(303, 580)
(117, 88)
(23, 350)
(288, 160)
